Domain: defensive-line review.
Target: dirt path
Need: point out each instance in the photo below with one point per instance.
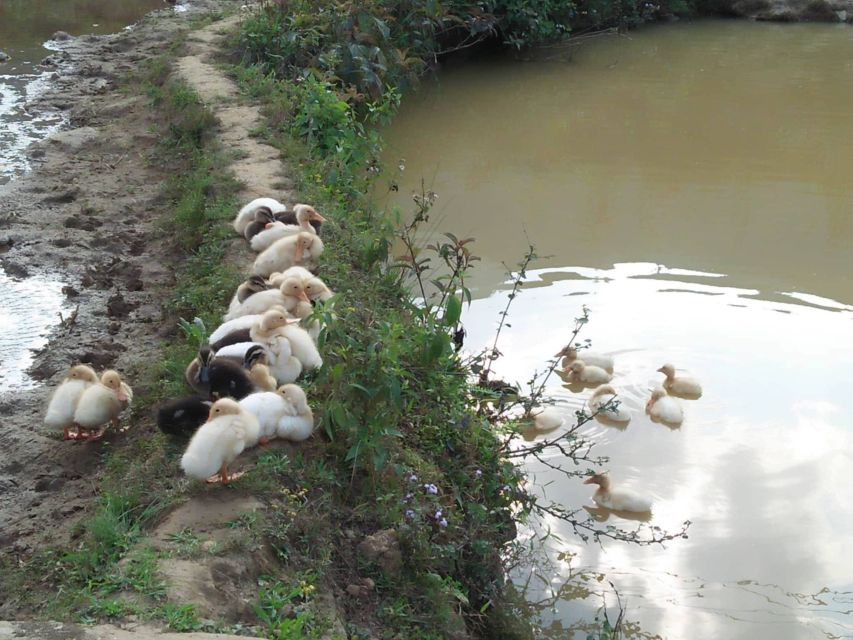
(87, 216)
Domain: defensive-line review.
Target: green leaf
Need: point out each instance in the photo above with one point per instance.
(453, 311)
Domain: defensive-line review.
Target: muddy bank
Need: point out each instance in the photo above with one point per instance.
(87, 215)
(794, 10)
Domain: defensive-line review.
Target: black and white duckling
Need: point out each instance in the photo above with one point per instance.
(219, 377)
(297, 423)
(264, 217)
(305, 216)
(63, 402)
(101, 403)
(183, 416)
(253, 285)
(246, 215)
(301, 249)
(217, 443)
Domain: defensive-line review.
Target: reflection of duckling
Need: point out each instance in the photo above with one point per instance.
(216, 443)
(600, 401)
(617, 499)
(298, 422)
(570, 354)
(664, 408)
(63, 402)
(579, 371)
(301, 249)
(275, 231)
(247, 214)
(183, 416)
(101, 403)
(681, 386)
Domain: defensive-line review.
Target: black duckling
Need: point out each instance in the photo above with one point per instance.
(183, 416)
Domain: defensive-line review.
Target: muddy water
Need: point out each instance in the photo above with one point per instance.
(691, 186)
(26, 27)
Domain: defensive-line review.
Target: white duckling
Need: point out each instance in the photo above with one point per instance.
(284, 367)
(261, 376)
(316, 289)
(600, 404)
(216, 443)
(63, 402)
(298, 422)
(301, 249)
(588, 374)
(276, 278)
(237, 324)
(600, 360)
(247, 213)
(275, 231)
(664, 408)
(680, 386)
(256, 304)
(268, 407)
(274, 330)
(547, 419)
(295, 299)
(617, 499)
(101, 403)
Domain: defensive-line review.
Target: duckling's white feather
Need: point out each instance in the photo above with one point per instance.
(267, 407)
(60, 410)
(215, 443)
(98, 405)
(256, 304)
(247, 213)
(275, 232)
(237, 324)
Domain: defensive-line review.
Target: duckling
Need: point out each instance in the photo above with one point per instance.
(547, 419)
(298, 422)
(599, 403)
(301, 249)
(277, 277)
(274, 329)
(63, 402)
(296, 300)
(268, 407)
(681, 386)
(304, 214)
(261, 376)
(253, 285)
(600, 360)
(290, 217)
(216, 443)
(617, 499)
(579, 371)
(256, 303)
(316, 290)
(221, 374)
(237, 324)
(101, 403)
(183, 416)
(247, 213)
(263, 218)
(664, 408)
(235, 337)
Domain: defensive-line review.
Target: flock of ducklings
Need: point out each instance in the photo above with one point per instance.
(243, 377)
(596, 370)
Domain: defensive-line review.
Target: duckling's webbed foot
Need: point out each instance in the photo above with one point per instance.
(78, 434)
(94, 437)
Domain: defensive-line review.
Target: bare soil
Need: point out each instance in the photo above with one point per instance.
(88, 215)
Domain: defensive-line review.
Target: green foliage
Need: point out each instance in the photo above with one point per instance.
(285, 609)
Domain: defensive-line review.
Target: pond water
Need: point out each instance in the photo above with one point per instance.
(26, 27)
(691, 185)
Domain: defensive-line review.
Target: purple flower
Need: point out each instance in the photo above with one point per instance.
(431, 489)
(438, 514)
(408, 497)
(442, 523)
(478, 473)
(413, 478)
(410, 514)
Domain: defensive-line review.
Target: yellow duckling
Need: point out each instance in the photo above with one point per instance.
(101, 403)
(681, 385)
(63, 402)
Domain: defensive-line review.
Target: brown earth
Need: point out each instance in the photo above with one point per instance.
(95, 184)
